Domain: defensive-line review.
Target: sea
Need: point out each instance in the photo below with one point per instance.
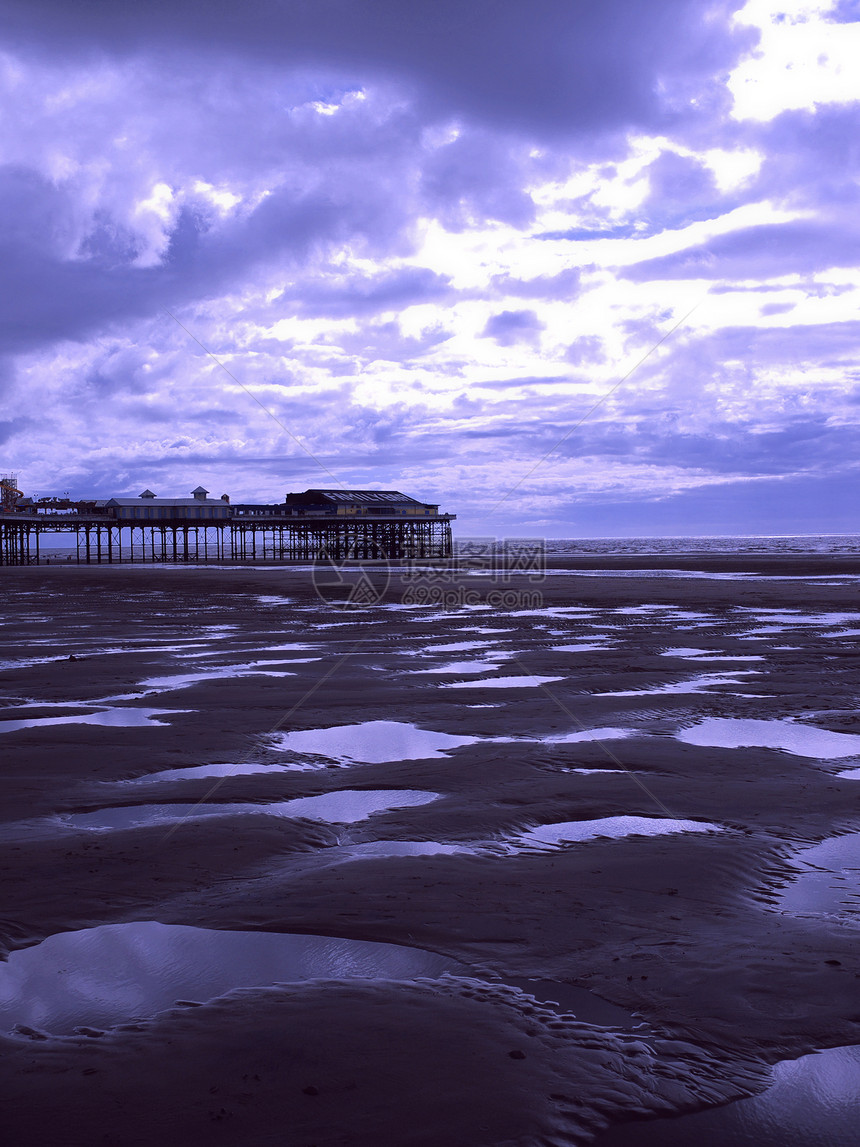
(729, 544)
(707, 544)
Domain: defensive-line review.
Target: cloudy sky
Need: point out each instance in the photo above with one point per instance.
(569, 268)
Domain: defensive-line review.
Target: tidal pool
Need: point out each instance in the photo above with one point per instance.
(346, 806)
(385, 848)
(698, 654)
(204, 772)
(790, 618)
(458, 646)
(124, 717)
(813, 1101)
(371, 742)
(249, 646)
(248, 669)
(501, 683)
(604, 734)
(116, 973)
(573, 831)
(697, 684)
(792, 736)
(98, 978)
(580, 647)
(829, 884)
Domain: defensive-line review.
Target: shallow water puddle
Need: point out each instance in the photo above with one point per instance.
(117, 973)
(830, 886)
(247, 669)
(574, 831)
(371, 742)
(561, 612)
(793, 737)
(594, 772)
(580, 647)
(456, 667)
(604, 734)
(101, 977)
(501, 683)
(790, 618)
(247, 647)
(669, 612)
(698, 684)
(204, 772)
(346, 806)
(374, 849)
(80, 651)
(813, 1101)
(262, 666)
(698, 654)
(288, 647)
(125, 717)
(30, 662)
(459, 646)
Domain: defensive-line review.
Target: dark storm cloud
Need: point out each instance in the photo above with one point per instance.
(587, 348)
(383, 342)
(10, 429)
(846, 12)
(831, 345)
(677, 180)
(475, 178)
(366, 294)
(510, 327)
(802, 445)
(726, 449)
(550, 66)
(50, 295)
(810, 162)
(810, 158)
(564, 285)
(359, 180)
(682, 190)
(767, 251)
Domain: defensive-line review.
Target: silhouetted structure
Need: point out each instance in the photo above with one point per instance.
(338, 524)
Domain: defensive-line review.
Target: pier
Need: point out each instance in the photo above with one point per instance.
(340, 525)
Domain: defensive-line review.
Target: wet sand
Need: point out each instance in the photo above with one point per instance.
(686, 929)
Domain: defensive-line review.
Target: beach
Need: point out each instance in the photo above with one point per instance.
(586, 793)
